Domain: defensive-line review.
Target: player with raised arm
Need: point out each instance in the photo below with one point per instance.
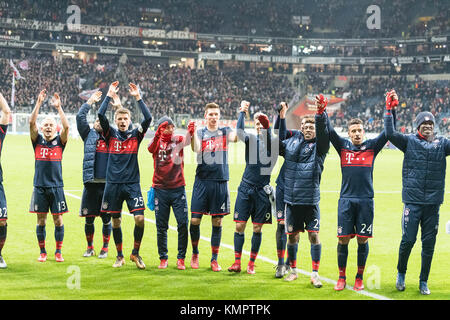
(261, 153)
(423, 185)
(95, 161)
(122, 172)
(282, 267)
(48, 192)
(169, 187)
(304, 155)
(356, 205)
(210, 194)
(4, 120)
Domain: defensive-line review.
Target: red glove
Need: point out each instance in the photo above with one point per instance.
(264, 120)
(391, 102)
(153, 146)
(191, 128)
(322, 103)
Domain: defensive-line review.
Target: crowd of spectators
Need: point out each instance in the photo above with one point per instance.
(181, 90)
(329, 18)
(367, 102)
(168, 90)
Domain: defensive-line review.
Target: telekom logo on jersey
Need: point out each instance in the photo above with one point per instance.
(212, 144)
(127, 146)
(356, 158)
(48, 154)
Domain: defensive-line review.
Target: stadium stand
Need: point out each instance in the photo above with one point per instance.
(413, 44)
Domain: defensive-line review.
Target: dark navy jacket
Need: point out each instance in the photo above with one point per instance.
(304, 165)
(424, 164)
(95, 157)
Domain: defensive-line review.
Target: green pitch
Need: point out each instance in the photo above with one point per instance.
(93, 278)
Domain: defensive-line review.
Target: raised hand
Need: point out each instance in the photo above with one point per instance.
(95, 97)
(244, 106)
(321, 103)
(191, 127)
(391, 100)
(56, 101)
(113, 88)
(284, 107)
(116, 101)
(41, 97)
(134, 91)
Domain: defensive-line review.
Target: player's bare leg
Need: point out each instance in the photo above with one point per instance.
(315, 255)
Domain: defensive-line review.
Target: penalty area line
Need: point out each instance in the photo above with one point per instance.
(306, 273)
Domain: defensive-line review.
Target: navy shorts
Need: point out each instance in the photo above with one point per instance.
(210, 197)
(166, 198)
(302, 217)
(355, 218)
(252, 202)
(279, 199)
(3, 207)
(44, 199)
(91, 200)
(116, 193)
(424, 215)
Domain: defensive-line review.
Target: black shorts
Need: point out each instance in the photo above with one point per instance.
(44, 199)
(355, 217)
(252, 202)
(116, 193)
(302, 217)
(91, 200)
(210, 197)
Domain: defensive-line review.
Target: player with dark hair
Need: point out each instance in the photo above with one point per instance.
(261, 153)
(356, 205)
(423, 184)
(48, 192)
(169, 187)
(95, 161)
(210, 194)
(304, 155)
(122, 172)
(4, 120)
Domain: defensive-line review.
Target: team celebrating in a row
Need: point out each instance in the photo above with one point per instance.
(111, 176)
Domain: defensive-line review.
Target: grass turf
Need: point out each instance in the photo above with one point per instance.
(92, 278)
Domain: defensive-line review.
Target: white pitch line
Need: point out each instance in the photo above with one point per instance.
(330, 281)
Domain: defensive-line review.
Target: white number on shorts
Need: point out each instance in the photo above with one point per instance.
(223, 207)
(61, 206)
(317, 224)
(3, 213)
(139, 202)
(363, 230)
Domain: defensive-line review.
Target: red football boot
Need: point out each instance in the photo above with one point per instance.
(235, 267)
